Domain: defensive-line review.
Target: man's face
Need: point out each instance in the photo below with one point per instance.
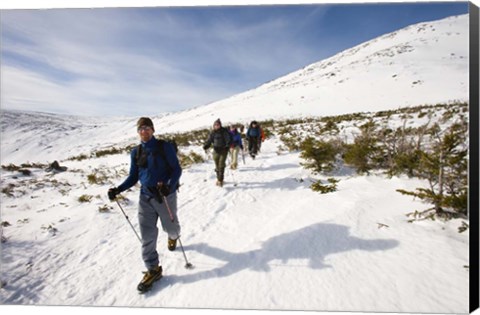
(216, 126)
(145, 133)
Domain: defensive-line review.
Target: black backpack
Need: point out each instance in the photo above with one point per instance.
(141, 159)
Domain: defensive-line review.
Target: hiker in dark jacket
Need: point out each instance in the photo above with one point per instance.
(235, 146)
(220, 138)
(159, 174)
(253, 137)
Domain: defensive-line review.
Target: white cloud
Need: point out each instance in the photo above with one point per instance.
(98, 59)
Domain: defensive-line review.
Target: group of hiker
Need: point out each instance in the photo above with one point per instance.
(155, 164)
(229, 140)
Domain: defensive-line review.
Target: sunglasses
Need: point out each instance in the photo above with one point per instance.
(144, 128)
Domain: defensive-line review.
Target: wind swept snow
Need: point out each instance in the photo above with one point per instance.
(263, 241)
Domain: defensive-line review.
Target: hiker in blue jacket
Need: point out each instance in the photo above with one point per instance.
(235, 146)
(158, 170)
(253, 137)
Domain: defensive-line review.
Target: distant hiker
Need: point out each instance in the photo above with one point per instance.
(235, 146)
(154, 162)
(244, 136)
(253, 137)
(220, 138)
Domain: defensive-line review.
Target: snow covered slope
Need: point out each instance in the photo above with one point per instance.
(263, 241)
(426, 63)
(41, 137)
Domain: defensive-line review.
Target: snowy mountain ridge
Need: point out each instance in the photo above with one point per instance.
(399, 69)
(404, 68)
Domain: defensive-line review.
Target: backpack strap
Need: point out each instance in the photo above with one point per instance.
(163, 155)
(161, 151)
(138, 153)
(161, 147)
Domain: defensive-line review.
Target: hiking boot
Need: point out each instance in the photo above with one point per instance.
(219, 183)
(149, 278)
(172, 244)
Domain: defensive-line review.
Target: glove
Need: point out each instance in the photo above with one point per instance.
(164, 190)
(112, 193)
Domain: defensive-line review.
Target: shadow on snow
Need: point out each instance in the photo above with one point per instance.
(313, 242)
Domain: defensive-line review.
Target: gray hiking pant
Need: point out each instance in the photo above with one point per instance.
(149, 211)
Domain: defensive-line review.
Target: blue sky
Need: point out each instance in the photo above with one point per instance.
(145, 61)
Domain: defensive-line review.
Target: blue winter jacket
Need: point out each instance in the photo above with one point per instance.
(155, 171)
(253, 132)
(236, 139)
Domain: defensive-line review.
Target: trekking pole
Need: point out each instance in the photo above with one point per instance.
(126, 217)
(187, 264)
(207, 158)
(233, 177)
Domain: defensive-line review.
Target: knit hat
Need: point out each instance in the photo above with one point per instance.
(145, 121)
